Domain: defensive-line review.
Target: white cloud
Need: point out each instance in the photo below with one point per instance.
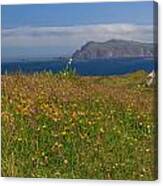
(73, 36)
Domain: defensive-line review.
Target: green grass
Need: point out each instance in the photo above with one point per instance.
(67, 126)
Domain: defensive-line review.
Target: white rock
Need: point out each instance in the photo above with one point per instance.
(150, 78)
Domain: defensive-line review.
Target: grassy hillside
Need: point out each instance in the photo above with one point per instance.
(67, 126)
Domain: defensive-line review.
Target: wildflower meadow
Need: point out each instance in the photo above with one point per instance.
(66, 126)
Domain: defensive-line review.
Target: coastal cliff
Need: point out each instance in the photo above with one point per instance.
(114, 49)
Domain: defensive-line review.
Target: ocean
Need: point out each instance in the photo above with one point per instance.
(102, 67)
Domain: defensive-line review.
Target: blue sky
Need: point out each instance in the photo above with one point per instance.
(59, 29)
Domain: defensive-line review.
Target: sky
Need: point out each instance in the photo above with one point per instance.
(52, 30)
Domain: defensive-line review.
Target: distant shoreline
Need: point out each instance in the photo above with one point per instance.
(34, 60)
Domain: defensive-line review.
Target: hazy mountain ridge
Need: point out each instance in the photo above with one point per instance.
(113, 49)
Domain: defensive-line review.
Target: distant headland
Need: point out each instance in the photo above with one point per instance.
(113, 49)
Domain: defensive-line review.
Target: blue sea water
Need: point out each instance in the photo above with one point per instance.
(101, 67)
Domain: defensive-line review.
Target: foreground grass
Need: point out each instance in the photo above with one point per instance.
(66, 126)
